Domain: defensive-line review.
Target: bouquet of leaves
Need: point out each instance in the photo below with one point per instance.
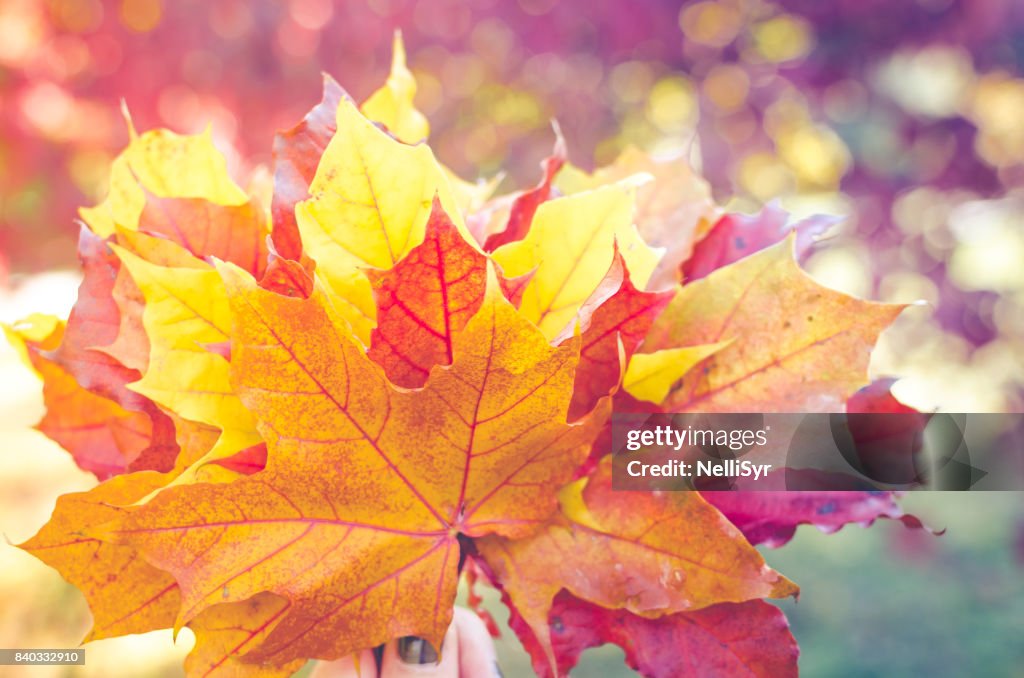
(314, 404)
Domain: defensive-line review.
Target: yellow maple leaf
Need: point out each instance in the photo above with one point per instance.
(369, 204)
(392, 105)
(165, 164)
(650, 376)
(570, 247)
(187, 310)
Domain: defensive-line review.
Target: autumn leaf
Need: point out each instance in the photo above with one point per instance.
(370, 201)
(735, 236)
(287, 276)
(102, 437)
(651, 554)
(235, 233)
(226, 632)
(125, 594)
(523, 207)
(83, 375)
(297, 153)
(186, 309)
(744, 639)
(614, 321)
(673, 211)
(424, 300)
(166, 165)
(130, 345)
(728, 639)
(570, 247)
(796, 346)
(392, 105)
(353, 461)
(771, 517)
(94, 323)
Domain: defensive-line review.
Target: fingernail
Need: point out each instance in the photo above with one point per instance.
(415, 650)
(497, 671)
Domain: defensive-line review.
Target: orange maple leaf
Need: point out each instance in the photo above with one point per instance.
(360, 472)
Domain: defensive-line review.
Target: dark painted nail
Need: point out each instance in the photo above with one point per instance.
(415, 650)
(497, 671)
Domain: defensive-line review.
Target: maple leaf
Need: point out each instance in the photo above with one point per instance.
(297, 153)
(728, 639)
(673, 210)
(370, 201)
(352, 461)
(735, 236)
(130, 345)
(354, 409)
(101, 436)
(186, 309)
(125, 593)
(771, 517)
(425, 299)
(90, 411)
(287, 276)
(795, 345)
(94, 324)
(524, 206)
(569, 248)
(167, 165)
(392, 105)
(234, 233)
(636, 551)
(614, 321)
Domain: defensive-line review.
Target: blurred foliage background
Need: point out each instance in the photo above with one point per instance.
(903, 117)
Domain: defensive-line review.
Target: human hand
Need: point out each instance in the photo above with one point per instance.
(467, 652)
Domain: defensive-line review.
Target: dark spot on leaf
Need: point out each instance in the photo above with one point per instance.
(741, 244)
(827, 508)
(556, 625)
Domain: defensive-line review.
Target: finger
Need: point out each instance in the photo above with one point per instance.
(412, 657)
(362, 665)
(476, 647)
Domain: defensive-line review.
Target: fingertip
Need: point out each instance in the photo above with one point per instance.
(412, 657)
(477, 656)
(361, 665)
